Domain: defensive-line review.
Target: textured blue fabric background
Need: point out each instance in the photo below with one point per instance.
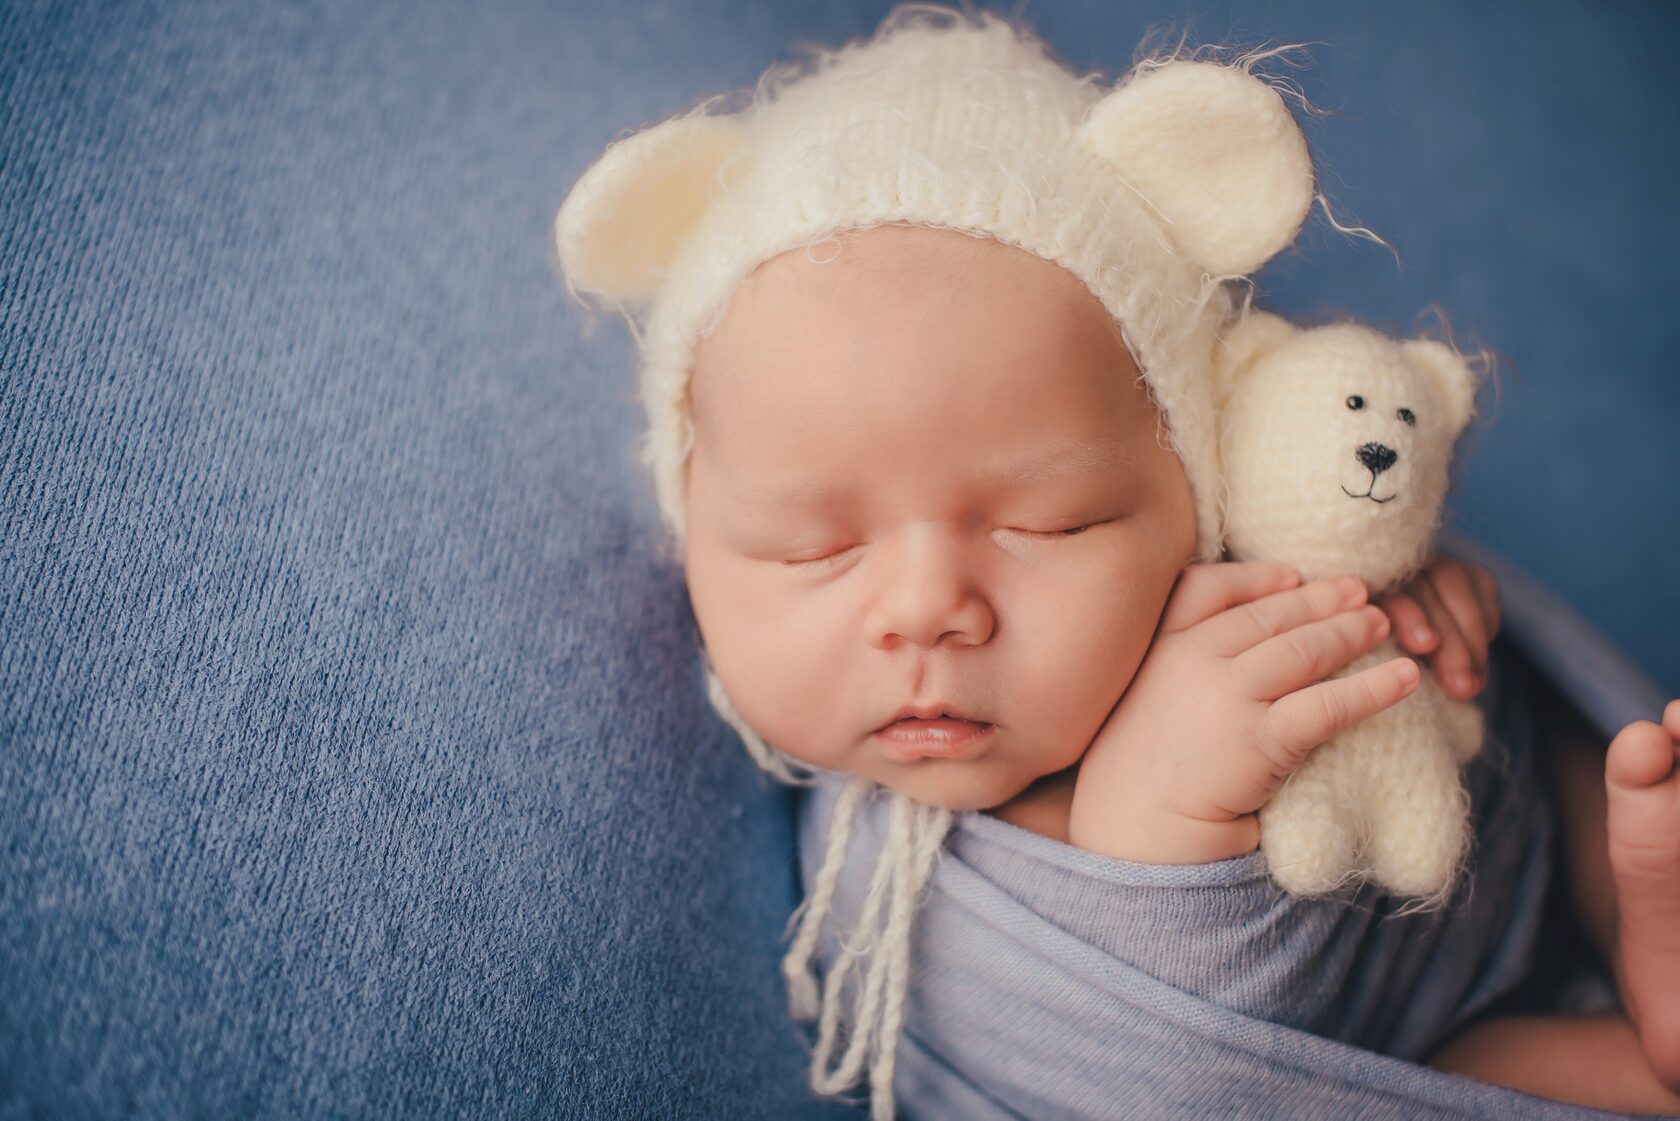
(353, 760)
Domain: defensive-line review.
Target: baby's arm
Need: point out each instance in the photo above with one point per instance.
(1228, 702)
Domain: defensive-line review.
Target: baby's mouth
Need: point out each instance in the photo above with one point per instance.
(941, 725)
(914, 737)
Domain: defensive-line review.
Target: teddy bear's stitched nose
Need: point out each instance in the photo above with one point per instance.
(1377, 458)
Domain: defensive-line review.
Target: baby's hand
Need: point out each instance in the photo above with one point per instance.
(1229, 700)
(1449, 611)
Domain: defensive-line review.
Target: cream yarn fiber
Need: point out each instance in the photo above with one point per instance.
(1154, 192)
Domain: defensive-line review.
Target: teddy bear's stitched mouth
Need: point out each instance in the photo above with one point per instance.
(1371, 496)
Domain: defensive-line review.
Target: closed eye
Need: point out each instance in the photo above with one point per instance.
(838, 554)
(825, 559)
(1069, 532)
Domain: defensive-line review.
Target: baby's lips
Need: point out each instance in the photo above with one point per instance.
(931, 711)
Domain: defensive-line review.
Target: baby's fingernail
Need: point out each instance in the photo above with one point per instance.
(1351, 589)
(1421, 634)
(1463, 683)
(1378, 621)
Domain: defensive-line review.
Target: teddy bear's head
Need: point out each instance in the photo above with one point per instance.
(1335, 443)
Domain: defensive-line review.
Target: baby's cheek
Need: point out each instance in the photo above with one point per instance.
(793, 684)
(1082, 653)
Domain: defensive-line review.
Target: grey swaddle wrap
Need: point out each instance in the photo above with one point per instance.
(1049, 982)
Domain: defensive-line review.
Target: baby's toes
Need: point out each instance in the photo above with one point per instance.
(1642, 754)
(1642, 782)
(1642, 785)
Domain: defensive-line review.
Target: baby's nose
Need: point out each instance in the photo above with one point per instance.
(928, 594)
(1377, 458)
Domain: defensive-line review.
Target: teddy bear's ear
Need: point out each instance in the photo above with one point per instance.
(1216, 153)
(1242, 341)
(627, 216)
(1454, 382)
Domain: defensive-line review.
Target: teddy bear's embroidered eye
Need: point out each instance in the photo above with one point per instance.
(1408, 416)
(1356, 402)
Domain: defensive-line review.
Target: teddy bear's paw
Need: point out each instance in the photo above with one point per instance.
(1419, 836)
(1427, 872)
(1464, 727)
(1310, 849)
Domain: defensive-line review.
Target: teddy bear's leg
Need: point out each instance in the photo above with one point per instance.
(1463, 724)
(1419, 813)
(1309, 835)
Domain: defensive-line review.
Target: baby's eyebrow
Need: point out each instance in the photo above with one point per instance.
(1058, 460)
(783, 494)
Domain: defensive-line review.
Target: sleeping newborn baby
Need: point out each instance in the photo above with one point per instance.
(926, 337)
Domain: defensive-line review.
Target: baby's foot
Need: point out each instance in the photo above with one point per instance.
(1642, 780)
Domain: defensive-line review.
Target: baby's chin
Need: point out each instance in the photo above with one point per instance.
(953, 785)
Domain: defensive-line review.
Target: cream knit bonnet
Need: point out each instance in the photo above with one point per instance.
(1154, 191)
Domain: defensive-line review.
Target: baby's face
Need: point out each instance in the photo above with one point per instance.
(926, 475)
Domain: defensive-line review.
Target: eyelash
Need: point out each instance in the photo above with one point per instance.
(830, 558)
(1072, 531)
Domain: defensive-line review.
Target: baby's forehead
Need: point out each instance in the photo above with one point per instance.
(892, 283)
(784, 427)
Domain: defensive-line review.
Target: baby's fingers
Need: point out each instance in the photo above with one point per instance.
(1306, 718)
(1454, 660)
(1487, 594)
(1204, 590)
(1462, 598)
(1247, 625)
(1310, 652)
(1411, 623)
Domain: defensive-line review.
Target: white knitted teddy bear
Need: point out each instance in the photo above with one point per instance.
(1336, 442)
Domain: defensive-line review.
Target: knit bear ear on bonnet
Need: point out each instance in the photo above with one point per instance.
(625, 220)
(1152, 192)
